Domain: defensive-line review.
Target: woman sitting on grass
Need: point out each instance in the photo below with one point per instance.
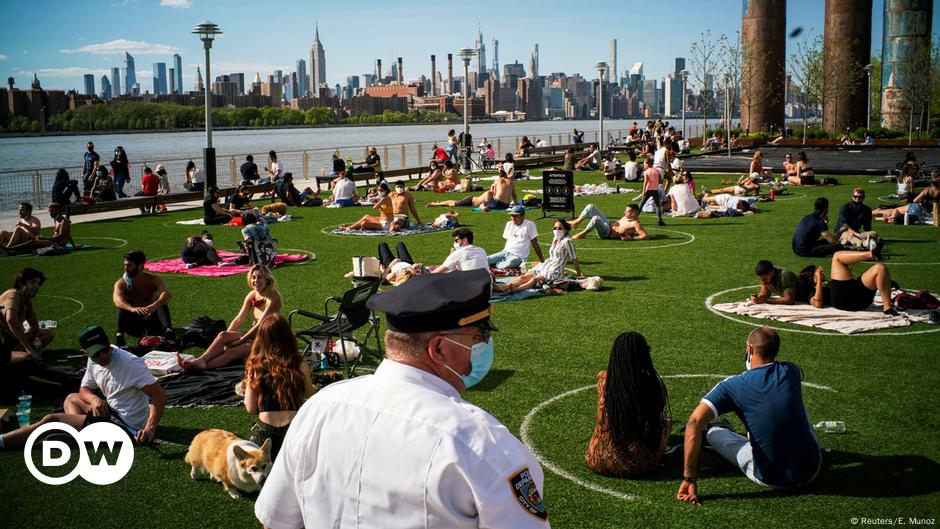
(232, 344)
(920, 209)
(805, 175)
(384, 222)
(277, 381)
(451, 178)
(553, 268)
(429, 182)
(633, 423)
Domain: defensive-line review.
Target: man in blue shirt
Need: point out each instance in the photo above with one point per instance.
(812, 237)
(854, 226)
(780, 450)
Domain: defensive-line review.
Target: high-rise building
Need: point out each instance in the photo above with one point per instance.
(481, 53)
(680, 65)
(512, 73)
(672, 96)
(130, 74)
(116, 82)
(612, 65)
(178, 68)
(105, 87)
(171, 84)
(239, 79)
(159, 78)
(317, 63)
(279, 77)
(199, 86)
(302, 78)
(89, 84)
(534, 63)
(496, 56)
(368, 79)
(651, 95)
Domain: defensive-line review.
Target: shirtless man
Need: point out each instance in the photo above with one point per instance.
(744, 186)
(498, 196)
(26, 229)
(61, 233)
(141, 299)
(626, 228)
(403, 203)
(789, 167)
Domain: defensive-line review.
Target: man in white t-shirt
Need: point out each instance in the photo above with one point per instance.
(659, 158)
(132, 399)
(520, 235)
(344, 191)
(464, 256)
(631, 170)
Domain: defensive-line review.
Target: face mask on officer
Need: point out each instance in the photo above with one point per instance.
(481, 360)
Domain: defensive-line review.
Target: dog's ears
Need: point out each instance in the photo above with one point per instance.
(266, 446)
(240, 452)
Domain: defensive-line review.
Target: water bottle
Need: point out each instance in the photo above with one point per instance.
(618, 188)
(322, 171)
(772, 194)
(830, 427)
(907, 217)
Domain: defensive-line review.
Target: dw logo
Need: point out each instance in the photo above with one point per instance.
(105, 453)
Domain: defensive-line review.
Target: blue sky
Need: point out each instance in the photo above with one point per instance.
(61, 40)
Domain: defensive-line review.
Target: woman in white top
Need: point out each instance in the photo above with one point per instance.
(683, 202)
(553, 268)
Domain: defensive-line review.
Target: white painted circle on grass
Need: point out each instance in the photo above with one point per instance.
(546, 463)
(789, 196)
(122, 241)
(709, 305)
(641, 245)
(328, 230)
(81, 306)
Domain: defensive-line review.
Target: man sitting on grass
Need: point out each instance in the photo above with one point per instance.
(19, 342)
(781, 283)
(26, 229)
(141, 299)
(344, 191)
(854, 225)
(520, 235)
(781, 450)
(464, 255)
(812, 237)
(626, 228)
(133, 399)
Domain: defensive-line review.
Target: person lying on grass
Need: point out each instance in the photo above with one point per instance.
(744, 186)
(498, 196)
(920, 209)
(553, 268)
(781, 450)
(464, 255)
(397, 270)
(633, 423)
(626, 228)
(778, 286)
(844, 291)
(724, 205)
(232, 344)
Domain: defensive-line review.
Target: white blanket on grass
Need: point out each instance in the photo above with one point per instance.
(590, 190)
(828, 318)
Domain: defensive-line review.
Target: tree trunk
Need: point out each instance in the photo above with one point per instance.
(804, 123)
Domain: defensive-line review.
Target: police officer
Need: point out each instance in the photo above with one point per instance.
(401, 448)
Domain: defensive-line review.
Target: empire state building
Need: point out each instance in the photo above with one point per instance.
(317, 64)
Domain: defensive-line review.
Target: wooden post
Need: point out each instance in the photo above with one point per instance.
(420, 156)
(233, 170)
(549, 139)
(402, 156)
(385, 155)
(306, 163)
(499, 147)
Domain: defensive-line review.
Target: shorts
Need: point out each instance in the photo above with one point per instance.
(402, 221)
(113, 419)
(260, 432)
(851, 295)
(464, 202)
(495, 204)
(738, 190)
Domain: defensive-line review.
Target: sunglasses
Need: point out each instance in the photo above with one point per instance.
(858, 196)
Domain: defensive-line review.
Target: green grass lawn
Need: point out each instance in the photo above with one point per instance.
(883, 387)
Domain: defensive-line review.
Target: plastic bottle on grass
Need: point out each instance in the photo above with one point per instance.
(830, 427)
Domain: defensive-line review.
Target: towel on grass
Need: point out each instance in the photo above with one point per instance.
(215, 387)
(178, 266)
(591, 190)
(495, 177)
(194, 222)
(477, 209)
(828, 318)
(412, 229)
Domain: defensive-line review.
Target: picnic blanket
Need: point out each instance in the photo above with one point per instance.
(477, 209)
(412, 229)
(522, 177)
(215, 387)
(828, 318)
(516, 296)
(178, 266)
(591, 190)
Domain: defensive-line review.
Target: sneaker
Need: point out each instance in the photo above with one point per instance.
(120, 341)
(661, 223)
(877, 251)
(891, 312)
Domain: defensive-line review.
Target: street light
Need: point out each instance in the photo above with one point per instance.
(466, 54)
(727, 112)
(207, 32)
(601, 68)
(868, 69)
(685, 76)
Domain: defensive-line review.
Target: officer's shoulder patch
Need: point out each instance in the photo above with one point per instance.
(527, 494)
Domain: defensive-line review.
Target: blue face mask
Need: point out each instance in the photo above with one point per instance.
(481, 360)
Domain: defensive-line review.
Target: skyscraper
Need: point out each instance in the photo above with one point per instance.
(105, 87)
(116, 82)
(172, 81)
(89, 84)
(534, 63)
(178, 67)
(317, 63)
(130, 74)
(302, 78)
(159, 78)
(496, 56)
(481, 53)
(612, 65)
(199, 86)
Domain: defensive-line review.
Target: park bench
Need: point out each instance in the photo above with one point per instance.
(150, 202)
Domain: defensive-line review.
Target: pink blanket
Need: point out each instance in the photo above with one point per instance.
(178, 266)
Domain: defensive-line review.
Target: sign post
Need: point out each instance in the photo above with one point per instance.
(557, 191)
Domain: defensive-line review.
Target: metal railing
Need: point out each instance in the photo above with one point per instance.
(34, 185)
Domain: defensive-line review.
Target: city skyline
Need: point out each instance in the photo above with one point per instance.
(62, 59)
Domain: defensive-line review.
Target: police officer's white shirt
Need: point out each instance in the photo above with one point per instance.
(400, 448)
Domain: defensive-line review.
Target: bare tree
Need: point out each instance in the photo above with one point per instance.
(704, 56)
(913, 85)
(731, 72)
(806, 67)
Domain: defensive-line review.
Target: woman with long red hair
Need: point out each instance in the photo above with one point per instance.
(277, 381)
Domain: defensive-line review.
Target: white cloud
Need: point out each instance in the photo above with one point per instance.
(181, 4)
(3, 57)
(72, 71)
(121, 45)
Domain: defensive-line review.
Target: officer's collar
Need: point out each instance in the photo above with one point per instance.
(398, 371)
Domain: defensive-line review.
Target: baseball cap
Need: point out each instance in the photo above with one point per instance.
(93, 340)
(516, 210)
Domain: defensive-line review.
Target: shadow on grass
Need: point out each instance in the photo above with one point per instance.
(623, 279)
(494, 379)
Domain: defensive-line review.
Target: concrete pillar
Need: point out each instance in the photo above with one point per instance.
(401, 76)
(763, 34)
(907, 32)
(846, 50)
(433, 76)
(378, 71)
(450, 74)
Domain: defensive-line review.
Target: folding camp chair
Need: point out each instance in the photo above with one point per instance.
(351, 314)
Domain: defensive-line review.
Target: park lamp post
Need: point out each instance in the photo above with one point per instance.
(601, 68)
(466, 54)
(684, 74)
(868, 68)
(207, 32)
(727, 112)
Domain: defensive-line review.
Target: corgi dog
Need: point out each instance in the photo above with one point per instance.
(239, 465)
